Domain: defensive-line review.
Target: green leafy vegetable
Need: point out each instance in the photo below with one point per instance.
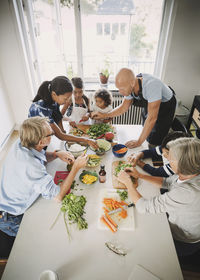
(121, 166)
(123, 195)
(97, 130)
(73, 206)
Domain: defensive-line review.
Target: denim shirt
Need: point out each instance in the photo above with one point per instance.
(24, 178)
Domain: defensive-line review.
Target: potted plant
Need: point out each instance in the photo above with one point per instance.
(105, 72)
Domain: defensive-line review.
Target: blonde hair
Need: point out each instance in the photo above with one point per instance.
(187, 153)
(32, 131)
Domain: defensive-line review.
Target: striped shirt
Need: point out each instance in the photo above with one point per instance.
(163, 171)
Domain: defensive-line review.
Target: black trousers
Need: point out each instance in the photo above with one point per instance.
(163, 123)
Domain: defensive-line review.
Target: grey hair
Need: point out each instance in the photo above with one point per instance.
(187, 153)
(32, 131)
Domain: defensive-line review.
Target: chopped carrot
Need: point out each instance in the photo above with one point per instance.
(123, 214)
(121, 151)
(111, 220)
(103, 220)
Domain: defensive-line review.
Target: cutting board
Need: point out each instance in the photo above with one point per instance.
(84, 128)
(123, 224)
(116, 184)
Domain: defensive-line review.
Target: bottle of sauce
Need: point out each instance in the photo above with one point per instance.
(102, 174)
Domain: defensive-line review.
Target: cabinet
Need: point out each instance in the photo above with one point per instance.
(193, 124)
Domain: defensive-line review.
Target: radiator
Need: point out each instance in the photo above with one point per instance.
(132, 116)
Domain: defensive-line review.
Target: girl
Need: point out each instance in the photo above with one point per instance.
(77, 106)
(103, 101)
(50, 95)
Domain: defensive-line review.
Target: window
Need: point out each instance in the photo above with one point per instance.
(81, 37)
(99, 28)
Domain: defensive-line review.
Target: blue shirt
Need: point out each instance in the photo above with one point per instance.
(40, 108)
(153, 89)
(163, 171)
(24, 178)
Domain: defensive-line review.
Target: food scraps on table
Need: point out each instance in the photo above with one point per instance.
(123, 195)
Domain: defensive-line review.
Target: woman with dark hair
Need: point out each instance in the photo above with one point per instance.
(50, 95)
(77, 106)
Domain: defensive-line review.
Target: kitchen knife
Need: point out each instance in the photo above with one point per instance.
(120, 209)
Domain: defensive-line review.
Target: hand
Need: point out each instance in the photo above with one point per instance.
(65, 156)
(135, 157)
(132, 172)
(141, 163)
(97, 115)
(124, 178)
(73, 124)
(93, 143)
(80, 162)
(132, 144)
(84, 119)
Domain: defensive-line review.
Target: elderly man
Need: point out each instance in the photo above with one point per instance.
(158, 102)
(24, 175)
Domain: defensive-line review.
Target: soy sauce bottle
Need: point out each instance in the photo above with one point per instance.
(102, 174)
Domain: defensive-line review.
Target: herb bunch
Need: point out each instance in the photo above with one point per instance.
(97, 130)
(73, 206)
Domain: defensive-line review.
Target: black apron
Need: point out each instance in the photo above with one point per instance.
(165, 116)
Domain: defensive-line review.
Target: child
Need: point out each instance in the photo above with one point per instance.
(78, 106)
(164, 171)
(103, 101)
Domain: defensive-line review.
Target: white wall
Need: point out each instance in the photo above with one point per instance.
(12, 65)
(6, 117)
(182, 70)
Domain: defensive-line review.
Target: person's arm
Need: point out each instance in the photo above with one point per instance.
(115, 112)
(67, 137)
(153, 171)
(79, 163)
(155, 180)
(153, 109)
(124, 178)
(62, 155)
(65, 106)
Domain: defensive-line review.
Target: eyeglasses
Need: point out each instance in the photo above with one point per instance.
(48, 135)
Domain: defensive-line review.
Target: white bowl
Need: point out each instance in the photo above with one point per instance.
(76, 153)
(48, 275)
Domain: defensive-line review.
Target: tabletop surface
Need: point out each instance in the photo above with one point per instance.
(38, 248)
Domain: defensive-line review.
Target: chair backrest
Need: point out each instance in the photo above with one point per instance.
(177, 125)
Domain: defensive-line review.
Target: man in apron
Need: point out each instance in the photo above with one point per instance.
(158, 102)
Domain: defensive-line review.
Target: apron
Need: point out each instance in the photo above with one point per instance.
(78, 113)
(165, 116)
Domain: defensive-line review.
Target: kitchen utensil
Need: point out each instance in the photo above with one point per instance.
(120, 209)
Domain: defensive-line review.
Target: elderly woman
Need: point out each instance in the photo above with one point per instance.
(182, 201)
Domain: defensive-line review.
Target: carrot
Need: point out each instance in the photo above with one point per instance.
(121, 151)
(111, 220)
(103, 220)
(123, 214)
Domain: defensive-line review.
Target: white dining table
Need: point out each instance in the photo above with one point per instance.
(85, 256)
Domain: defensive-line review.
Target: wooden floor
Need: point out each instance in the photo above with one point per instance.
(188, 275)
